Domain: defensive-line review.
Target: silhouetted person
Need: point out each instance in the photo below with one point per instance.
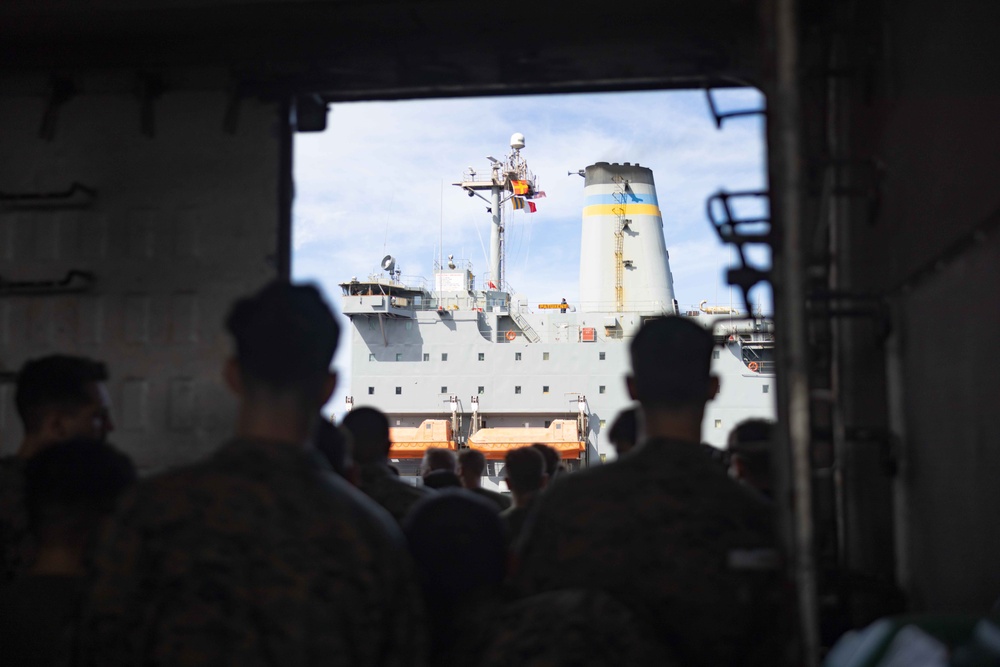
(337, 448)
(624, 431)
(471, 467)
(258, 555)
(524, 472)
(553, 460)
(58, 398)
(439, 469)
(370, 429)
(71, 489)
(664, 530)
(457, 541)
(749, 448)
(563, 306)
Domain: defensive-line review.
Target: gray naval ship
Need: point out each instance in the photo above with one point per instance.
(467, 363)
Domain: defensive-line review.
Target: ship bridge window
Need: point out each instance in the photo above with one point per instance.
(545, 389)
(444, 390)
(601, 356)
(482, 356)
(371, 357)
(409, 325)
(371, 323)
(481, 390)
(371, 390)
(444, 356)
(517, 389)
(715, 354)
(517, 356)
(601, 389)
(399, 390)
(427, 356)
(545, 356)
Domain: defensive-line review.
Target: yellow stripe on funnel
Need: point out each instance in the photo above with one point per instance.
(613, 209)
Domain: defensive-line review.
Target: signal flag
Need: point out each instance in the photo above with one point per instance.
(519, 187)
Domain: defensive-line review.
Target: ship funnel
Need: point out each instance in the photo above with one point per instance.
(624, 265)
(517, 141)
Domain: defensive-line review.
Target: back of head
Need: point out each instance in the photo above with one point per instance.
(71, 486)
(749, 447)
(438, 458)
(671, 362)
(457, 541)
(625, 430)
(751, 436)
(285, 336)
(472, 463)
(56, 382)
(551, 456)
(369, 427)
(524, 468)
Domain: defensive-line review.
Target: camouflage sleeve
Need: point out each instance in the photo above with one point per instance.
(115, 610)
(405, 635)
(535, 560)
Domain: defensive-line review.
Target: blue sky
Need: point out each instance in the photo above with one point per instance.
(378, 182)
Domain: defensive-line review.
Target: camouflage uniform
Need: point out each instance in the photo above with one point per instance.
(656, 530)
(396, 496)
(258, 556)
(16, 542)
(564, 628)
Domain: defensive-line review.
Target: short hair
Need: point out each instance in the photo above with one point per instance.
(370, 429)
(285, 336)
(751, 436)
(524, 468)
(74, 483)
(625, 429)
(551, 456)
(671, 362)
(56, 382)
(472, 461)
(439, 458)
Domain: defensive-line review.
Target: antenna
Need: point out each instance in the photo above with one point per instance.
(388, 263)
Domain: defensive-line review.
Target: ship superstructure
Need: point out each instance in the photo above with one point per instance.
(465, 362)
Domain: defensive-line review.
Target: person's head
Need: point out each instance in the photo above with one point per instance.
(552, 459)
(369, 427)
(285, 338)
(60, 397)
(471, 466)
(749, 447)
(457, 541)
(624, 431)
(671, 361)
(524, 471)
(70, 488)
(437, 458)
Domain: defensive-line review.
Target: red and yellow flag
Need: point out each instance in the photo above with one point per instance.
(519, 187)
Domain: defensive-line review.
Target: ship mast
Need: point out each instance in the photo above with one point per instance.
(506, 178)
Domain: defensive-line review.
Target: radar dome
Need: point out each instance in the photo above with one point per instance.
(517, 141)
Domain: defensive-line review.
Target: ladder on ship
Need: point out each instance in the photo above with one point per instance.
(525, 326)
(619, 212)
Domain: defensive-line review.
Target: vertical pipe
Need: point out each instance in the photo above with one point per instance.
(495, 258)
(792, 316)
(286, 188)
